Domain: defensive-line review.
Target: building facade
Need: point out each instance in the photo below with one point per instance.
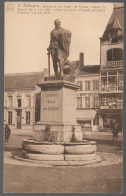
(111, 71)
(20, 99)
(88, 102)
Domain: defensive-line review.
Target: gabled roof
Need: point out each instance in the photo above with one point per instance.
(116, 21)
(22, 81)
(89, 69)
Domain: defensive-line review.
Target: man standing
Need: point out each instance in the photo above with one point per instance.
(7, 133)
(115, 131)
(59, 47)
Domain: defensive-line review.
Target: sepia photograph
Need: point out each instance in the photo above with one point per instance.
(63, 97)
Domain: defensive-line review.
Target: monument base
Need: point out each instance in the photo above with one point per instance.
(57, 132)
(57, 137)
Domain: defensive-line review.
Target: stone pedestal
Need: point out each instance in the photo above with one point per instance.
(58, 110)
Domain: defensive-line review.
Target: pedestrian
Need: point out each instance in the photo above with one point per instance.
(115, 131)
(7, 133)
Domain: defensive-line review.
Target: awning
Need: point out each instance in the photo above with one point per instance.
(86, 114)
(112, 111)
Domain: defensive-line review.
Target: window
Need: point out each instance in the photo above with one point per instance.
(104, 74)
(87, 85)
(79, 83)
(95, 102)
(87, 102)
(104, 86)
(95, 84)
(10, 101)
(115, 54)
(19, 101)
(27, 117)
(79, 102)
(28, 101)
(114, 35)
(9, 117)
(84, 123)
(96, 120)
(120, 83)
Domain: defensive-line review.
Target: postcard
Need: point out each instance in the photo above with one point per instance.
(63, 97)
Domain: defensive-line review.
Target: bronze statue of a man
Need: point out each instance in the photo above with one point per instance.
(59, 47)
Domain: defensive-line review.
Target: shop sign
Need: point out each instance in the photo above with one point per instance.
(87, 94)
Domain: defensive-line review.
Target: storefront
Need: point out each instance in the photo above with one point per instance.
(88, 119)
(109, 115)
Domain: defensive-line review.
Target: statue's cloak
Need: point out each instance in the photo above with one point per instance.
(65, 39)
(61, 38)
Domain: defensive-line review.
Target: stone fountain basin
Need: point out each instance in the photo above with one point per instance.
(80, 149)
(59, 148)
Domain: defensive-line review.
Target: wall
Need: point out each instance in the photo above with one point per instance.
(23, 108)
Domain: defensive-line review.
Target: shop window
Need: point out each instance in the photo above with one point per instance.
(95, 102)
(10, 101)
(112, 103)
(27, 117)
(9, 117)
(87, 85)
(87, 102)
(95, 84)
(84, 123)
(79, 102)
(104, 103)
(79, 83)
(115, 54)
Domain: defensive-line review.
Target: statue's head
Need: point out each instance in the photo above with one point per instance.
(57, 23)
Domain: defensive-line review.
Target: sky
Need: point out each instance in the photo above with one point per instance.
(27, 36)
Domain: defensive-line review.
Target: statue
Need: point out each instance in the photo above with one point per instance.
(59, 47)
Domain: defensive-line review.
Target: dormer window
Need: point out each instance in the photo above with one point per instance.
(119, 32)
(113, 35)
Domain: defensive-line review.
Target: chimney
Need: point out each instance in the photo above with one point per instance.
(81, 60)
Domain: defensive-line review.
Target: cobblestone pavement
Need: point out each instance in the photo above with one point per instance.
(107, 159)
(30, 177)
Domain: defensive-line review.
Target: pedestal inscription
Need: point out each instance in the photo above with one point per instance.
(51, 106)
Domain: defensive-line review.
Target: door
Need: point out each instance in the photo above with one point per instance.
(18, 119)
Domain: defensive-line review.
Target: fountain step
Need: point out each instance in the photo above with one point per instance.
(43, 157)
